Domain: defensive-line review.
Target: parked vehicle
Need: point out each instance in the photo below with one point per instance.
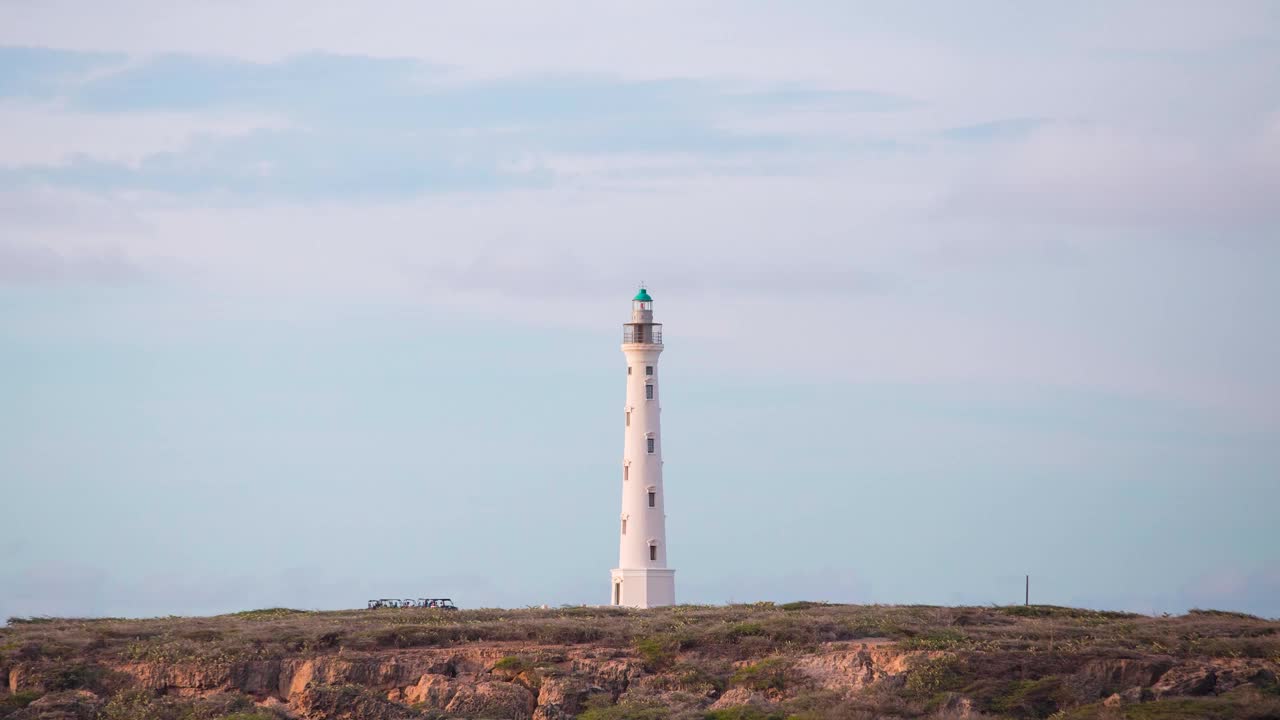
(434, 603)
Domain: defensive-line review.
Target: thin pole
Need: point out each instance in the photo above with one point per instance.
(1027, 600)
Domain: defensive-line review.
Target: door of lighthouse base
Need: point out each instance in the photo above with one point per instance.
(617, 593)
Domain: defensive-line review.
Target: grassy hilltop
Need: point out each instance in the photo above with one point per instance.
(742, 662)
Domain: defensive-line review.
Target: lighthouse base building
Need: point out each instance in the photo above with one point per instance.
(644, 587)
(642, 578)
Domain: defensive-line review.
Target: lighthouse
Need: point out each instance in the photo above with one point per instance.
(642, 578)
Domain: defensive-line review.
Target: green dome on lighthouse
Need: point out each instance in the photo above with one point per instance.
(642, 296)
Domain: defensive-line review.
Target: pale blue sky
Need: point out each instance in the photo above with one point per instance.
(302, 306)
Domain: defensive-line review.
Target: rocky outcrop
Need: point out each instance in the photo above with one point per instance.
(558, 682)
(852, 669)
(469, 697)
(69, 705)
(1100, 678)
(741, 697)
(491, 699)
(381, 671)
(15, 679)
(347, 702)
(260, 678)
(613, 676)
(464, 681)
(460, 682)
(1189, 679)
(563, 697)
(1201, 678)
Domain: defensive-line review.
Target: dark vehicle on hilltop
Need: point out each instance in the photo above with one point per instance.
(433, 603)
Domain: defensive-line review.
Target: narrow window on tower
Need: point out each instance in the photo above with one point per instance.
(653, 552)
(624, 526)
(653, 496)
(650, 441)
(648, 369)
(628, 369)
(626, 472)
(628, 418)
(648, 391)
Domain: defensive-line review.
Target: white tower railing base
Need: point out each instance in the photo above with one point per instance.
(644, 587)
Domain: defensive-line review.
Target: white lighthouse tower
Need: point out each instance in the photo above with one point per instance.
(642, 578)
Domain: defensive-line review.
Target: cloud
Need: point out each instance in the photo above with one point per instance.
(271, 164)
(61, 238)
(368, 92)
(417, 179)
(994, 130)
(21, 264)
(1077, 204)
(569, 276)
(489, 39)
(1093, 173)
(53, 135)
(325, 125)
(40, 72)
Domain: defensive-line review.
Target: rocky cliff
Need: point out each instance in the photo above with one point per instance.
(759, 661)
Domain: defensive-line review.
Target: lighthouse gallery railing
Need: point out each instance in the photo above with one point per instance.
(649, 333)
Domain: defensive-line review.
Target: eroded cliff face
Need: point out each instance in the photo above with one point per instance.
(520, 682)
(743, 662)
(467, 682)
(460, 683)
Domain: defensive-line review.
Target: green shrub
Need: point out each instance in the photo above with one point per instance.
(143, 705)
(657, 652)
(1029, 698)
(1223, 614)
(744, 629)
(946, 639)
(1045, 611)
(18, 700)
(1239, 647)
(514, 664)
(934, 676)
(697, 679)
(768, 674)
(522, 670)
(599, 708)
(129, 705)
(742, 712)
(792, 629)
(412, 636)
(74, 676)
(324, 641)
(1231, 706)
(801, 605)
(268, 613)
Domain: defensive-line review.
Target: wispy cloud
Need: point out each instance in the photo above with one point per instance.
(1059, 216)
(40, 72)
(41, 264)
(1100, 174)
(360, 127)
(1008, 129)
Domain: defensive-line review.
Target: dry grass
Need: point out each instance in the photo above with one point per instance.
(1006, 661)
(743, 631)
